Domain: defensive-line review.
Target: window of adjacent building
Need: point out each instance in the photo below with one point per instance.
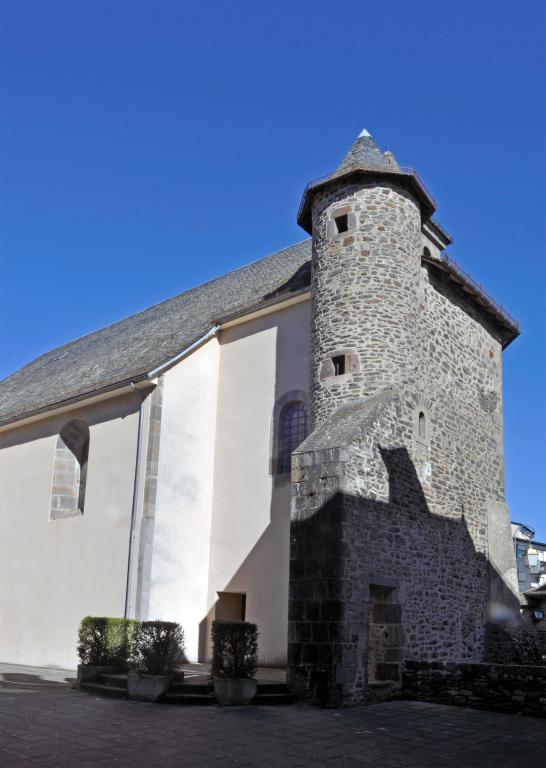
(70, 470)
(342, 223)
(292, 432)
(521, 549)
(339, 365)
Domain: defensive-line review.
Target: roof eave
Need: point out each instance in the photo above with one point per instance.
(440, 232)
(406, 177)
(147, 377)
(44, 410)
(508, 328)
(264, 307)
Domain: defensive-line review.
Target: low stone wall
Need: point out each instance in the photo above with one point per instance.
(513, 688)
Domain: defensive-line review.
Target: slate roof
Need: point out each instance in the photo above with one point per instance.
(129, 349)
(347, 423)
(364, 158)
(364, 152)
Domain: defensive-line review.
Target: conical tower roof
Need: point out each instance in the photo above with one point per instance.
(364, 153)
(364, 158)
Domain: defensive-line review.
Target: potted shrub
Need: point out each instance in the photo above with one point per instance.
(104, 646)
(157, 647)
(234, 661)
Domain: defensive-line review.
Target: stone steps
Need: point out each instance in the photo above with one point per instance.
(270, 699)
(191, 697)
(273, 688)
(179, 687)
(188, 693)
(103, 689)
(113, 680)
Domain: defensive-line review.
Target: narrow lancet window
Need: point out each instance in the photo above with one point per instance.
(70, 470)
(293, 430)
(422, 426)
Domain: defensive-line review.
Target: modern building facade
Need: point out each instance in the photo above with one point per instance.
(531, 565)
(530, 558)
(313, 442)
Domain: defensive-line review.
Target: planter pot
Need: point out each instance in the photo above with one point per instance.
(147, 687)
(233, 692)
(87, 673)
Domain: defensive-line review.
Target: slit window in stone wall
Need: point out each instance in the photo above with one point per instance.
(342, 223)
(339, 365)
(70, 471)
(422, 426)
(293, 430)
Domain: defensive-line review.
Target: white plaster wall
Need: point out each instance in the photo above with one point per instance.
(260, 361)
(179, 577)
(52, 573)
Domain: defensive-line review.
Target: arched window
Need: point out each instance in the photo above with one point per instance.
(292, 431)
(422, 426)
(70, 470)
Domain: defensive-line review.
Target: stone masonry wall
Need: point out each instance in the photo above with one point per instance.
(516, 689)
(458, 378)
(363, 284)
(317, 584)
(362, 523)
(410, 508)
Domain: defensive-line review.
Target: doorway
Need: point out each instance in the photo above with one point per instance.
(231, 606)
(385, 636)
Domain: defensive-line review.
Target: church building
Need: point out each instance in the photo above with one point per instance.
(312, 442)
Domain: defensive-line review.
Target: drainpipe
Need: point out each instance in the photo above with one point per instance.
(134, 509)
(185, 352)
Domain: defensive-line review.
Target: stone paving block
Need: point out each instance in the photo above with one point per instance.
(55, 726)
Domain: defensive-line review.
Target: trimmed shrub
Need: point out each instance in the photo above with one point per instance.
(234, 649)
(158, 646)
(106, 641)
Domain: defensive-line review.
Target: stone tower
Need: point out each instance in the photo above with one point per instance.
(365, 220)
(399, 533)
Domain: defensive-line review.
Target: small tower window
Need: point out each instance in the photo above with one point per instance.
(422, 425)
(339, 365)
(342, 223)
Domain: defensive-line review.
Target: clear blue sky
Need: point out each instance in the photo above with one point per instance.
(149, 146)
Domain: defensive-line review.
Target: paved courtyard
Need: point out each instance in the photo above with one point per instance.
(46, 723)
